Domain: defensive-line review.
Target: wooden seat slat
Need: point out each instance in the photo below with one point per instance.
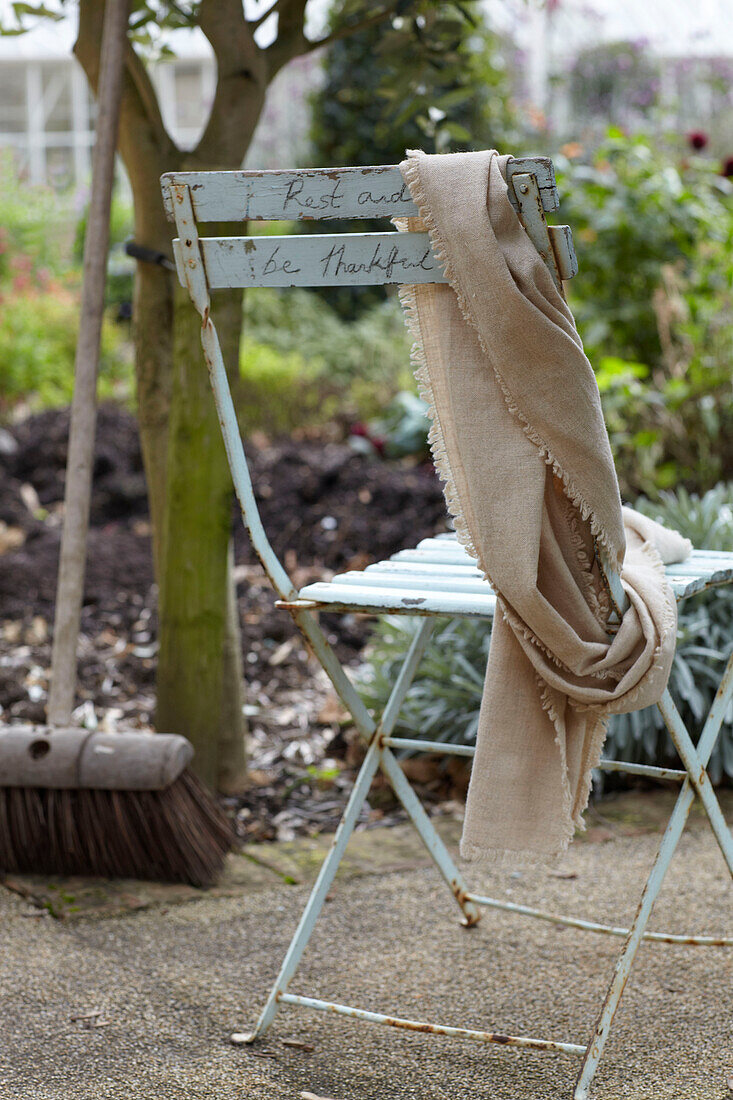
(383, 578)
(443, 577)
(413, 601)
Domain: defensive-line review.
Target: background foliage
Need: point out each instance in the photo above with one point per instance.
(303, 365)
(653, 299)
(40, 285)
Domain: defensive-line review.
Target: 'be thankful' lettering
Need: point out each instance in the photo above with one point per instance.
(385, 258)
(274, 264)
(330, 259)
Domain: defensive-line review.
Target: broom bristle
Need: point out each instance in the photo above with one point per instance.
(176, 835)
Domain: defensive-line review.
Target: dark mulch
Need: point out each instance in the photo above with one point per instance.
(320, 502)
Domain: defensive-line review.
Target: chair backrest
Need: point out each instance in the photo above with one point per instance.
(343, 193)
(207, 264)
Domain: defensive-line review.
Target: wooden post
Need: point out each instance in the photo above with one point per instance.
(83, 410)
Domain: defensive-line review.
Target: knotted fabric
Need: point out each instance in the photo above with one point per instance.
(518, 437)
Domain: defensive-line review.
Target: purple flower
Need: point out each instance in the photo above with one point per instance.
(727, 168)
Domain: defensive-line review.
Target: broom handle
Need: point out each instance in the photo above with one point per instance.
(80, 457)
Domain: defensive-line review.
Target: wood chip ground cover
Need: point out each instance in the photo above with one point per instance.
(318, 499)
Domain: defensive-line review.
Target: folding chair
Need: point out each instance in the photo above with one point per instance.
(437, 578)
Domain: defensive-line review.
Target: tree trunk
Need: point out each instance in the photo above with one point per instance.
(199, 662)
(200, 682)
(232, 755)
(153, 332)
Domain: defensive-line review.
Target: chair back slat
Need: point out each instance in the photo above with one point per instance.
(318, 193)
(340, 259)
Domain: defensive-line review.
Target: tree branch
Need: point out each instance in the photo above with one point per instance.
(291, 41)
(141, 122)
(346, 32)
(255, 23)
(240, 87)
(228, 32)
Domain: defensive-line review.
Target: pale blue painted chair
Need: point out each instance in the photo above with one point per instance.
(436, 578)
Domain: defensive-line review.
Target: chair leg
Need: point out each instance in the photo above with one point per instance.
(426, 830)
(697, 759)
(375, 753)
(322, 885)
(695, 765)
(367, 727)
(428, 835)
(406, 675)
(625, 961)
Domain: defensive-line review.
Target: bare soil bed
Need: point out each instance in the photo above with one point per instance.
(325, 507)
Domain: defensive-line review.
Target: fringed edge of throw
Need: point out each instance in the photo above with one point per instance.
(436, 439)
(518, 859)
(669, 624)
(558, 724)
(410, 170)
(597, 741)
(594, 748)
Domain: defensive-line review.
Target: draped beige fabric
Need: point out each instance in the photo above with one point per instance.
(518, 437)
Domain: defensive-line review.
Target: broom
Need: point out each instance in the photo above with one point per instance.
(74, 801)
(120, 805)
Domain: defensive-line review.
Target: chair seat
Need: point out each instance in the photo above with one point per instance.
(438, 577)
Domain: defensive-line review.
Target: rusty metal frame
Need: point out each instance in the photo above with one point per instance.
(380, 741)
(696, 782)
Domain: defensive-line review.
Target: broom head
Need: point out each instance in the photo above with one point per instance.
(121, 805)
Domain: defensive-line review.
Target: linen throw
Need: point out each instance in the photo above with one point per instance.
(518, 438)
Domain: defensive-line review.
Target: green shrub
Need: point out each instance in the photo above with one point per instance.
(654, 304)
(280, 391)
(443, 702)
(35, 222)
(40, 299)
(335, 368)
(400, 430)
(38, 345)
(377, 346)
(634, 208)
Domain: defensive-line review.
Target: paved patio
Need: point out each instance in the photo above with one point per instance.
(133, 994)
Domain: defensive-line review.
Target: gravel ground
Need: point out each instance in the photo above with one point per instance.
(170, 985)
